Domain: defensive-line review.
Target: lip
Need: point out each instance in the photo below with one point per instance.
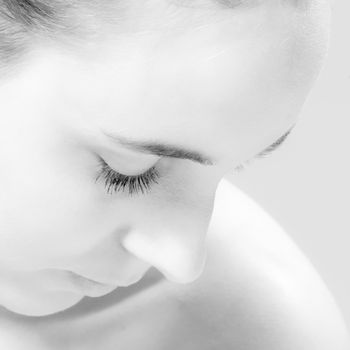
(70, 281)
(88, 286)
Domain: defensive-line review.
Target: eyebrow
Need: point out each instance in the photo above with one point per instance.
(161, 149)
(167, 150)
(268, 150)
(230, 4)
(227, 4)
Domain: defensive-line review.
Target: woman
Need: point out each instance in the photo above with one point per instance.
(119, 121)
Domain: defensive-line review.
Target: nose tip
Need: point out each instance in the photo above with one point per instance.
(184, 275)
(179, 261)
(182, 266)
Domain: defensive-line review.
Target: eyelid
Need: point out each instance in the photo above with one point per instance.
(104, 163)
(119, 182)
(128, 163)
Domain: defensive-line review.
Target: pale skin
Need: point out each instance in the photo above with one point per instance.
(223, 83)
(257, 291)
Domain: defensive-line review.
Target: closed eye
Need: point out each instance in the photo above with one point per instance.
(116, 182)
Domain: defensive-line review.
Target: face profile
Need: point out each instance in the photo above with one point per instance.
(112, 151)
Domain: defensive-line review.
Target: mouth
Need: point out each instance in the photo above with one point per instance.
(88, 286)
(70, 281)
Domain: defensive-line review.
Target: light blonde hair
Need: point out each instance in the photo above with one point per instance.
(25, 22)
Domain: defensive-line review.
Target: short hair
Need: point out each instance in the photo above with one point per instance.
(24, 22)
(19, 22)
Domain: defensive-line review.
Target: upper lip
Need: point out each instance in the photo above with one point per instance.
(86, 286)
(76, 275)
(121, 283)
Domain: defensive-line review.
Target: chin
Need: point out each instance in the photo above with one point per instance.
(41, 305)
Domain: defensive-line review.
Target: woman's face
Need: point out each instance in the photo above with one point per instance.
(221, 82)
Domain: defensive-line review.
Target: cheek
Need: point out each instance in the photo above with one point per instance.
(49, 212)
(38, 228)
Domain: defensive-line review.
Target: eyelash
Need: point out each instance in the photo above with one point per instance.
(116, 182)
(243, 166)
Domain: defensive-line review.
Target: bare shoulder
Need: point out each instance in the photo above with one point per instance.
(257, 291)
(260, 286)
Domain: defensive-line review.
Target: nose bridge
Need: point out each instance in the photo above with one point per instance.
(175, 244)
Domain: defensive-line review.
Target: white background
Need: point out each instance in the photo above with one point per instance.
(305, 185)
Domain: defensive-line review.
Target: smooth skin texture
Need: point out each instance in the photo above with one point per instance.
(224, 82)
(257, 292)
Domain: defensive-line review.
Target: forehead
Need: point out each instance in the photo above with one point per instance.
(188, 77)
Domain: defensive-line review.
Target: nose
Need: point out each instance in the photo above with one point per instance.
(177, 257)
(175, 245)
